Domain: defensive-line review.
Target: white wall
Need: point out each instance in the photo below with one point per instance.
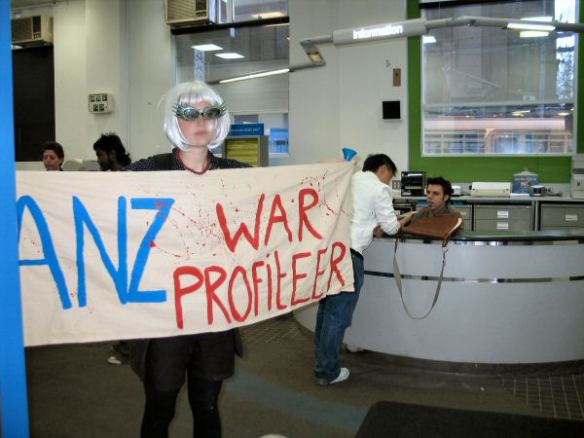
(150, 75)
(339, 105)
(71, 110)
(90, 57)
(314, 94)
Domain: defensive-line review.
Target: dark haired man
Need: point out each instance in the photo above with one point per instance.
(110, 152)
(372, 209)
(438, 193)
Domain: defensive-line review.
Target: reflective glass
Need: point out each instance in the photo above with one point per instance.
(262, 48)
(493, 91)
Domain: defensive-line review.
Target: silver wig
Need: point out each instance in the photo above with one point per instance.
(190, 94)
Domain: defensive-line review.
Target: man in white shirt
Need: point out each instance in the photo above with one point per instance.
(372, 213)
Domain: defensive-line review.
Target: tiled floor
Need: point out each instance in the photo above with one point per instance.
(551, 390)
(558, 396)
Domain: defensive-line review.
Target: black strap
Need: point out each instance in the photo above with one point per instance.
(397, 277)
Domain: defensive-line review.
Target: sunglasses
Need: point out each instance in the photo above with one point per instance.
(189, 113)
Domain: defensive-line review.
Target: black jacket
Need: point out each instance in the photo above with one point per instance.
(139, 347)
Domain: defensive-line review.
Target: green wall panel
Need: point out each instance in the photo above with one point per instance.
(469, 169)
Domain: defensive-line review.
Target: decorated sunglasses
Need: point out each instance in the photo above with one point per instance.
(189, 113)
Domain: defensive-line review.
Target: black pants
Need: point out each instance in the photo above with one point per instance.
(167, 362)
(160, 407)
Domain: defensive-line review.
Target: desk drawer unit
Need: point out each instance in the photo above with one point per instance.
(503, 217)
(466, 213)
(561, 216)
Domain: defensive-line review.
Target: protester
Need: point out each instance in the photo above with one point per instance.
(195, 121)
(53, 155)
(110, 152)
(111, 155)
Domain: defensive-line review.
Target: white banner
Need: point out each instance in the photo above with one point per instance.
(122, 255)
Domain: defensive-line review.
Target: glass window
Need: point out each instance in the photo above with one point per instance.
(245, 118)
(493, 91)
(231, 11)
(248, 10)
(231, 52)
(275, 126)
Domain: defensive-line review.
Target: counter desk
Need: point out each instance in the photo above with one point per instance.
(506, 298)
(515, 213)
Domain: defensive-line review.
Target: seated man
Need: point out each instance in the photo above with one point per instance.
(438, 193)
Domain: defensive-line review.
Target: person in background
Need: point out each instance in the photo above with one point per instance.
(196, 120)
(372, 213)
(121, 354)
(53, 155)
(110, 152)
(111, 155)
(438, 193)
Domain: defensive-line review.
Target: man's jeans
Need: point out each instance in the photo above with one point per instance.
(335, 313)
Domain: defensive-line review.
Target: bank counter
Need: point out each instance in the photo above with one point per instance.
(506, 298)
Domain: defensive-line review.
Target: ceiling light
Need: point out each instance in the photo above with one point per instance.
(266, 15)
(207, 47)
(277, 25)
(531, 26)
(564, 113)
(315, 57)
(229, 55)
(532, 34)
(428, 39)
(548, 18)
(256, 75)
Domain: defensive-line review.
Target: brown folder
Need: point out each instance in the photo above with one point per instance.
(436, 227)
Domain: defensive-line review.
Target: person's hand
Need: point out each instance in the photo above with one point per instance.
(406, 219)
(378, 232)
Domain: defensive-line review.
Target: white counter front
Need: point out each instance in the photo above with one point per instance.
(502, 301)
